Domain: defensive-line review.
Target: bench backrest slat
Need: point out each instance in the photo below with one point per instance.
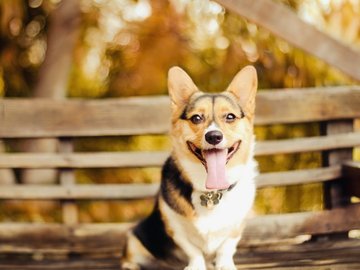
(133, 191)
(98, 238)
(26, 118)
(157, 158)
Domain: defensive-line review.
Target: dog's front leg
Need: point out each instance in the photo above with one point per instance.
(224, 255)
(196, 263)
(195, 255)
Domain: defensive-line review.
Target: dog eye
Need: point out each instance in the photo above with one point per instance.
(230, 117)
(196, 119)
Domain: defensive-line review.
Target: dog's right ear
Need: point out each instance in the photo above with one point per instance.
(244, 87)
(180, 86)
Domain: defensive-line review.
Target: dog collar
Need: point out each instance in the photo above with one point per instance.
(211, 198)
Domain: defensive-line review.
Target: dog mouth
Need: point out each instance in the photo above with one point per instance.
(202, 153)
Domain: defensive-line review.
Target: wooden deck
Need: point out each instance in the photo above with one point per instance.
(319, 255)
(99, 246)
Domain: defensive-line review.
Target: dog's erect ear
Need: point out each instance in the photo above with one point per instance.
(181, 87)
(243, 87)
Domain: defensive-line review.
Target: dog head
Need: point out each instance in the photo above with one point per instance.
(212, 133)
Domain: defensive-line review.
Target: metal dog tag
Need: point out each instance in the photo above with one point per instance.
(210, 199)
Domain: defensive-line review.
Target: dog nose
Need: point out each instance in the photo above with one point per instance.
(214, 137)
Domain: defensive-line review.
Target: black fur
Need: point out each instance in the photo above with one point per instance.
(172, 180)
(152, 234)
(151, 231)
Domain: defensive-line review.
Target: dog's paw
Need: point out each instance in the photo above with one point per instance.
(226, 267)
(195, 267)
(130, 266)
(196, 263)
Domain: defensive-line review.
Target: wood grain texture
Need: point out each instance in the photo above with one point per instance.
(79, 192)
(100, 238)
(247, 259)
(272, 227)
(337, 255)
(268, 243)
(297, 177)
(83, 160)
(157, 158)
(286, 24)
(308, 144)
(133, 191)
(151, 115)
(45, 117)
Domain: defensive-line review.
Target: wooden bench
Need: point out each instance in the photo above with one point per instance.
(306, 240)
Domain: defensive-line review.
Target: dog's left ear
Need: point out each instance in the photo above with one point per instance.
(181, 87)
(244, 87)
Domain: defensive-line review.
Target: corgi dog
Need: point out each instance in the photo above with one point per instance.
(207, 187)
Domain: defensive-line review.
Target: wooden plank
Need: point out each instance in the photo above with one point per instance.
(298, 145)
(71, 264)
(54, 238)
(298, 177)
(83, 160)
(307, 105)
(133, 191)
(100, 238)
(272, 227)
(285, 24)
(79, 192)
(247, 261)
(340, 255)
(22, 118)
(157, 158)
(56, 118)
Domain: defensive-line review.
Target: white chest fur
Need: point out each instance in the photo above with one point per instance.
(210, 227)
(226, 218)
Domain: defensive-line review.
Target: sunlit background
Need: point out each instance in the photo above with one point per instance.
(125, 47)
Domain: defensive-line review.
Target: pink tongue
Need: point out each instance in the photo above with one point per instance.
(215, 163)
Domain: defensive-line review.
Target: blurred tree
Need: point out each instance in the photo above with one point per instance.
(53, 76)
(10, 13)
